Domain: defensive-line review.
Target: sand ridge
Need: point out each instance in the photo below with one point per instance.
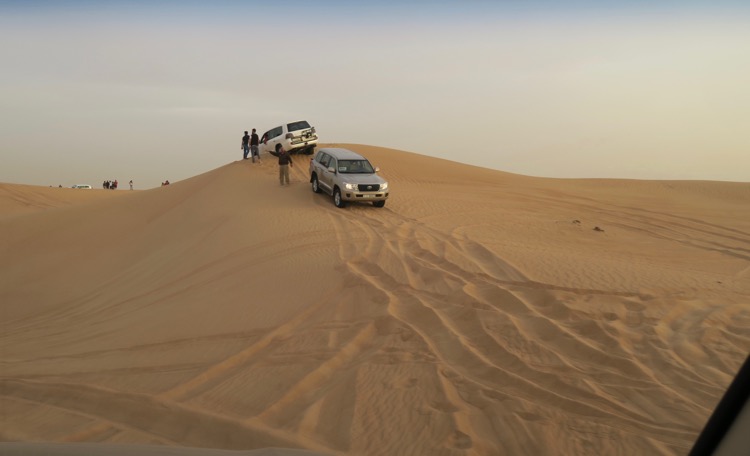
(479, 312)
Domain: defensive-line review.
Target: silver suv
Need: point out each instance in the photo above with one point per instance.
(296, 138)
(347, 176)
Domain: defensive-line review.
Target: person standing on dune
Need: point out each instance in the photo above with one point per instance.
(245, 145)
(285, 162)
(254, 146)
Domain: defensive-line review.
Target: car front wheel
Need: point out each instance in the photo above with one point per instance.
(337, 198)
(378, 203)
(315, 186)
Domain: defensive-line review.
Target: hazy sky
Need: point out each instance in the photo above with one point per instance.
(155, 90)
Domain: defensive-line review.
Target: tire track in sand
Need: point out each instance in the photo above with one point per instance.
(457, 338)
(166, 421)
(214, 373)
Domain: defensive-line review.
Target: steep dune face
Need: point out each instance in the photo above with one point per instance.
(479, 312)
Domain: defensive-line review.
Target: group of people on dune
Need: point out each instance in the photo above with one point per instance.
(112, 185)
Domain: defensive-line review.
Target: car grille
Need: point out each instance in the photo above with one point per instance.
(369, 187)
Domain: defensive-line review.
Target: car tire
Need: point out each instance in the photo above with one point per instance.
(337, 200)
(315, 185)
(378, 203)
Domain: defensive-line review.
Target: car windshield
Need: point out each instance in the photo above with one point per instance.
(301, 125)
(355, 167)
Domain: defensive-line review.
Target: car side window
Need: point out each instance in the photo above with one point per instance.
(324, 159)
(332, 163)
(275, 132)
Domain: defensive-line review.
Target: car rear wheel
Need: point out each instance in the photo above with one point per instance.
(337, 198)
(378, 203)
(315, 186)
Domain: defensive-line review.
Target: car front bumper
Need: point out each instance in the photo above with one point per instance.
(351, 195)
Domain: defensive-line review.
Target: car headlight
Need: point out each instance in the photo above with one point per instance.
(350, 186)
(384, 186)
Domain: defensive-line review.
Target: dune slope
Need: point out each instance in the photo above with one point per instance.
(478, 313)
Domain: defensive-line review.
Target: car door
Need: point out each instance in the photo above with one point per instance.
(269, 140)
(329, 176)
(263, 146)
(274, 137)
(320, 169)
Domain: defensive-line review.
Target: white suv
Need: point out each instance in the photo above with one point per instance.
(295, 137)
(347, 176)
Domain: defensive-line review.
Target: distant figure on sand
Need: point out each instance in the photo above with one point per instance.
(254, 146)
(166, 182)
(285, 161)
(131, 184)
(245, 145)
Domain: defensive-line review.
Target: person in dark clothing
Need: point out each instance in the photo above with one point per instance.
(285, 162)
(245, 145)
(254, 146)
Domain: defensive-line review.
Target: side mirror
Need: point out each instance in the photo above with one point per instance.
(331, 169)
(377, 169)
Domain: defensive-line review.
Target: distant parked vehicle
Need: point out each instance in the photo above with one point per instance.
(83, 186)
(347, 176)
(295, 137)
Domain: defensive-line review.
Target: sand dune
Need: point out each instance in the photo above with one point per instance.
(478, 313)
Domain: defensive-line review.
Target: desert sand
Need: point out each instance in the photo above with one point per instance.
(478, 313)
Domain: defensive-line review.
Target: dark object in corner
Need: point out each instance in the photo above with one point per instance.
(728, 428)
